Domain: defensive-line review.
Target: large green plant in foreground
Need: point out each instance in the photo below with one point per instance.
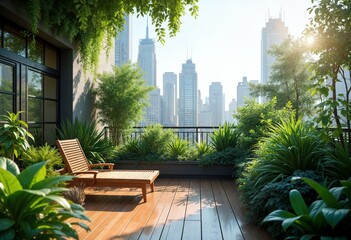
(93, 25)
(326, 218)
(31, 206)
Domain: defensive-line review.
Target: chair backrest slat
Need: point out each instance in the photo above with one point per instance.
(73, 155)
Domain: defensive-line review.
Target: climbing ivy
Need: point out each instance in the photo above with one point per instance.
(93, 24)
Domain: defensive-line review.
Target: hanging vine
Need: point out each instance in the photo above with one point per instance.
(93, 24)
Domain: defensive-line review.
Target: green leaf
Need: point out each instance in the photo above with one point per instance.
(60, 200)
(323, 192)
(9, 181)
(32, 175)
(290, 221)
(52, 181)
(308, 236)
(10, 234)
(6, 223)
(297, 202)
(9, 165)
(278, 215)
(334, 216)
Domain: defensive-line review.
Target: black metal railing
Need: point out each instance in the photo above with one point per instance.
(192, 134)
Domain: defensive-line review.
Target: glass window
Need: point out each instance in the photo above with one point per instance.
(50, 111)
(35, 84)
(6, 78)
(35, 110)
(50, 57)
(36, 51)
(50, 86)
(50, 133)
(6, 103)
(14, 41)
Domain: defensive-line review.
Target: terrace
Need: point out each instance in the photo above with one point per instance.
(178, 209)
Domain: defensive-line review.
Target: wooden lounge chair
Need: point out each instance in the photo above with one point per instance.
(77, 164)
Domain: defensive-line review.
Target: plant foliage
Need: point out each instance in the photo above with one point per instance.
(93, 24)
(96, 147)
(326, 218)
(32, 208)
(121, 99)
(225, 136)
(46, 154)
(13, 135)
(179, 149)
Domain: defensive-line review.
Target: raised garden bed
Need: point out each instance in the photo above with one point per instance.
(179, 168)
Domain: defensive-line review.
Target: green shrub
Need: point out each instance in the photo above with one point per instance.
(225, 157)
(225, 137)
(290, 145)
(32, 207)
(180, 149)
(43, 154)
(96, 147)
(326, 218)
(13, 136)
(338, 163)
(202, 149)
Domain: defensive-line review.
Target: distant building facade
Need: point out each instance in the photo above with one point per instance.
(274, 33)
(123, 43)
(216, 105)
(147, 64)
(170, 117)
(188, 106)
(243, 92)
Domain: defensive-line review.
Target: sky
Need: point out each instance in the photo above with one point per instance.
(224, 41)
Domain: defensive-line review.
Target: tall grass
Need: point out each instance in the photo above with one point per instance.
(226, 136)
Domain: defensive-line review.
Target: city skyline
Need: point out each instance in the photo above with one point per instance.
(209, 42)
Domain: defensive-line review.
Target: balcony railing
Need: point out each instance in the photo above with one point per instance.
(192, 134)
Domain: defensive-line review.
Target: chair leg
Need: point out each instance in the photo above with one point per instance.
(143, 188)
(152, 186)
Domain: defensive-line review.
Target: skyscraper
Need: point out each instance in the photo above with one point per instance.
(147, 64)
(243, 92)
(170, 99)
(123, 43)
(147, 59)
(216, 103)
(188, 113)
(274, 33)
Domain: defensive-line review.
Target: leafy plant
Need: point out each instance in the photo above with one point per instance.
(338, 162)
(225, 157)
(326, 218)
(225, 137)
(179, 149)
(32, 208)
(96, 147)
(13, 135)
(76, 194)
(121, 99)
(43, 154)
(289, 146)
(203, 148)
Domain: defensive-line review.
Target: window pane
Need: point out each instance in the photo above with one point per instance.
(50, 133)
(36, 51)
(6, 103)
(50, 57)
(35, 110)
(35, 81)
(6, 78)
(14, 42)
(50, 87)
(37, 131)
(50, 111)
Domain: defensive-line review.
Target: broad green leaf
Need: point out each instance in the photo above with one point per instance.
(60, 200)
(9, 165)
(323, 192)
(6, 223)
(52, 181)
(290, 221)
(10, 234)
(278, 215)
(334, 216)
(297, 202)
(32, 175)
(308, 236)
(9, 181)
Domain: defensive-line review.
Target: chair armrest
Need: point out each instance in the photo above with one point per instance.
(110, 165)
(88, 172)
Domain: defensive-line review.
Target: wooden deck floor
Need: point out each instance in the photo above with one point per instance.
(178, 209)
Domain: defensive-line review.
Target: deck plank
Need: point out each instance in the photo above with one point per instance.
(184, 209)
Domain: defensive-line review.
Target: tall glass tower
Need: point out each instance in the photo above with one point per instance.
(216, 99)
(170, 99)
(123, 43)
(274, 33)
(188, 113)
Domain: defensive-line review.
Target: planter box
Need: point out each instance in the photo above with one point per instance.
(179, 169)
